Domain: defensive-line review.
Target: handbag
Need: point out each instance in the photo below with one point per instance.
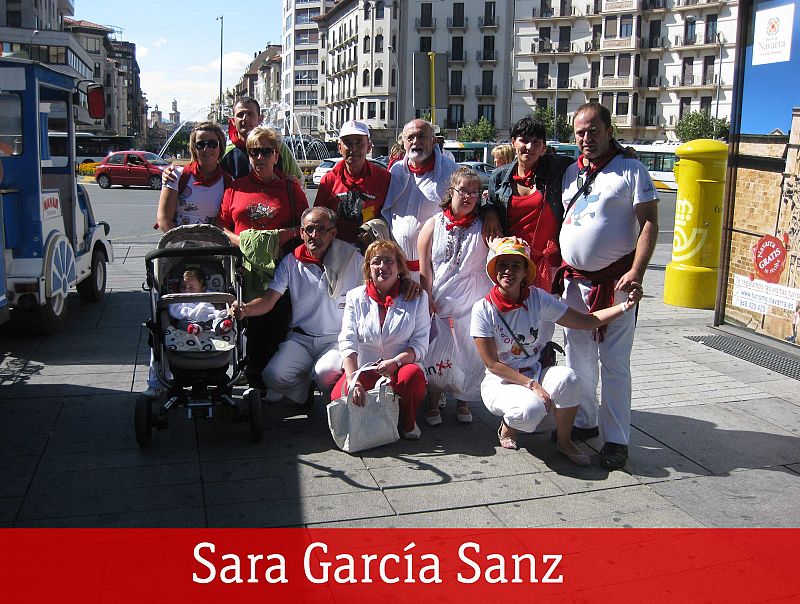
(355, 428)
(444, 369)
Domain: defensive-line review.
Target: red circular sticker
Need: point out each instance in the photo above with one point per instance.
(769, 258)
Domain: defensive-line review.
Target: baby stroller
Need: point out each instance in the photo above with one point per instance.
(193, 369)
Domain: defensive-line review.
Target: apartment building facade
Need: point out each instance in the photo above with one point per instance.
(649, 61)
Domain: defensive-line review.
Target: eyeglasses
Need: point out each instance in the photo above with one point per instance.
(378, 260)
(256, 152)
(212, 144)
(311, 229)
(465, 193)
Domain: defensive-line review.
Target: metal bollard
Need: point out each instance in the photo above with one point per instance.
(691, 278)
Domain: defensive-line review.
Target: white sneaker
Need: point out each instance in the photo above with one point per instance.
(153, 392)
(414, 434)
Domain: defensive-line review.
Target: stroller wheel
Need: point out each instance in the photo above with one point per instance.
(143, 420)
(256, 420)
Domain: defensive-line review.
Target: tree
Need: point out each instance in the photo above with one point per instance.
(699, 124)
(482, 130)
(563, 132)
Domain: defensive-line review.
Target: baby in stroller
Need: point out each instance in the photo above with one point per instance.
(194, 317)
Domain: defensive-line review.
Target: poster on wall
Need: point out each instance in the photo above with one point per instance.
(772, 35)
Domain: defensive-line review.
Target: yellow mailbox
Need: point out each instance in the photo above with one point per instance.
(691, 277)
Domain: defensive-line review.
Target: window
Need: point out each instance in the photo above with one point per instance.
(711, 28)
(92, 45)
(624, 65)
(426, 14)
(366, 44)
(97, 70)
(626, 26)
(486, 111)
(458, 14)
(690, 32)
(394, 77)
(288, 42)
(379, 43)
(456, 88)
(13, 18)
(455, 116)
(425, 44)
(367, 11)
(304, 16)
(457, 48)
(622, 103)
(11, 122)
(379, 8)
(379, 77)
(705, 104)
(650, 118)
(685, 106)
(365, 78)
(541, 103)
(305, 57)
(306, 77)
(611, 28)
(383, 110)
(607, 100)
(306, 36)
(305, 97)
(488, 13)
(371, 110)
(608, 67)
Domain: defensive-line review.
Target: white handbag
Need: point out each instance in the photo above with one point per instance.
(444, 369)
(355, 428)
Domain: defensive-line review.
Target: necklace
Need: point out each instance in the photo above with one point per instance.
(455, 243)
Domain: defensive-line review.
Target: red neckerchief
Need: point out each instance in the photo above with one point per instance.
(261, 182)
(505, 304)
(529, 179)
(193, 169)
(543, 278)
(601, 162)
(302, 255)
(425, 168)
(233, 134)
(453, 222)
(349, 180)
(386, 301)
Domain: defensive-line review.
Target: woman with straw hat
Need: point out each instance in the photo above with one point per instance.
(511, 327)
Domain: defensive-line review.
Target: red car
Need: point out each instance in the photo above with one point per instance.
(127, 168)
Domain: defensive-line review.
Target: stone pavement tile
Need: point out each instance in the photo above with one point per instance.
(750, 498)
(776, 411)
(17, 473)
(157, 454)
(117, 406)
(66, 503)
(25, 426)
(652, 461)
(580, 507)
(785, 388)
(470, 493)
(285, 482)
(719, 437)
(182, 517)
(326, 463)
(77, 384)
(126, 309)
(592, 478)
(300, 511)
(795, 467)
(475, 517)
(432, 470)
(660, 518)
(743, 371)
(9, 507)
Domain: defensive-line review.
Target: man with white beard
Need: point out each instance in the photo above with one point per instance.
(418, 184)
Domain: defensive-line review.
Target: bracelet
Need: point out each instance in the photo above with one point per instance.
(530, 383)
(398, 361)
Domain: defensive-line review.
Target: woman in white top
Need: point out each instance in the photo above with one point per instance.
(452, 261)
(380, 326)
(511, 326)
(194, 197)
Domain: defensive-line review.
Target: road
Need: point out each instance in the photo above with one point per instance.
(132, 212)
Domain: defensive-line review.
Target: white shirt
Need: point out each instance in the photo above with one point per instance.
(602, 227)
(197, 204)
(533, 327)
(313, 310)
(407, 325)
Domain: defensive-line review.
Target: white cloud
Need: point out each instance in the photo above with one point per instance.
(160, 42)
(142, 52)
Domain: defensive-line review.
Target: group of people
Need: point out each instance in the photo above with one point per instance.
(354, 280)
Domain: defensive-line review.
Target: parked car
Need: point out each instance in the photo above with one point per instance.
(126, 168)
(327, 165)
(483, 170)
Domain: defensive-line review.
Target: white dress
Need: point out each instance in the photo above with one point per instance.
(459, 280)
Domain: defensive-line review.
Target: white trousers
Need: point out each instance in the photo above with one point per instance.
(519, 406)
(300, 359)
(613, 415)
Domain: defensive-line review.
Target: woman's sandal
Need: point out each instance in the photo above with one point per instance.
(433, 417)
(507, 442)
(464, 415)
(579, 459)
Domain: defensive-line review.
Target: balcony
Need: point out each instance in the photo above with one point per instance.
(567, 48)
(486, 56)
(654, 81)
(548, 83)
(627, 6)
(626, 121)
(592, 82)
(425, 23)
(654, 5)
(695, 40)
(592, 45)
(654, 43)
(457, 91)
(486, 91)
(618, 82)
(542, 47)
(684, 5)
(628, 43)
(651, 121)
(459, 57)
(457, 24)
(487, 23)
(566, 11)
(593, 9)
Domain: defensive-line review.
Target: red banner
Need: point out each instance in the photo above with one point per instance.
(447, 565)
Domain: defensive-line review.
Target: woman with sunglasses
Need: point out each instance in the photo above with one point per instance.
(195, 195)
(452, 260)
(261, 213)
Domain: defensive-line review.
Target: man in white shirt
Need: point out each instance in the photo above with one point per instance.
(418, 184)
(318, 275)
(607, 238)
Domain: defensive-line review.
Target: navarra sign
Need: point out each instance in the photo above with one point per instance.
(769, 258)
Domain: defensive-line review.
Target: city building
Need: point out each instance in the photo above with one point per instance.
(124, 53)
(649, 61)
(268, 84)
(359, 69)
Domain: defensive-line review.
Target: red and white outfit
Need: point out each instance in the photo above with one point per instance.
(406, 325)
(252, 203)
(355, 199)
(413, 198)
(199, 200)
(458, 256)
(601, 229)
(311, 349)
(533, 325)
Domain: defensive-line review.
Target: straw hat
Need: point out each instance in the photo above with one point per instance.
(510, 247)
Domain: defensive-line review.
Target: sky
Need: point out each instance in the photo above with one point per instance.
(177, 44)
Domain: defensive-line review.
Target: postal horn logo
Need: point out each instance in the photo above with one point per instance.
(773, 26)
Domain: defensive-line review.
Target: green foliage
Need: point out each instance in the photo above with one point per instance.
(180, 144)
(482, 130)
(699, 124)
(563, 131)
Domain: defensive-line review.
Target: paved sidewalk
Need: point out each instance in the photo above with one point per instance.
(715, 443)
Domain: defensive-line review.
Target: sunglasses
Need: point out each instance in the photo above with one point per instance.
(311, 229)
(257, 152)
(206, 144)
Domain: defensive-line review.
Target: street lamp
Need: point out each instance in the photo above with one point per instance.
(720, 42)
(221, 20)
